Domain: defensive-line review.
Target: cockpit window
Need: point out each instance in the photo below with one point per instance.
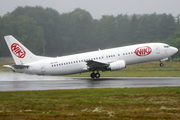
(167, 46)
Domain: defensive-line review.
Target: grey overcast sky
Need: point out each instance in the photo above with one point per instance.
(97, 8)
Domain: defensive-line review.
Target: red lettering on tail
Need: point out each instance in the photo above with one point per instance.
(18, 50)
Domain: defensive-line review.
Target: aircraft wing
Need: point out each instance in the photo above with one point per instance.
(96, 65)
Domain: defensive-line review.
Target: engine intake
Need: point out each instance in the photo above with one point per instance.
(118, 65)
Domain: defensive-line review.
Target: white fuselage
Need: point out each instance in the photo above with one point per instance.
(77, 63)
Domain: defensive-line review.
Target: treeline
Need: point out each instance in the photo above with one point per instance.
(46, 32)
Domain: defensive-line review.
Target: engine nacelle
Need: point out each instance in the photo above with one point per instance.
(118, 65)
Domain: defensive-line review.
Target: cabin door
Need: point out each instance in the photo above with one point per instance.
(157, 49)
(43, 68)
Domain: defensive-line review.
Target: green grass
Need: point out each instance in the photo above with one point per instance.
(126, 103)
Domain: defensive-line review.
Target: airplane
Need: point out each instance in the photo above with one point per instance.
(95, 61)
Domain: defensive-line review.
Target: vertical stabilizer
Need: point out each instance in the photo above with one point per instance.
(19, 52)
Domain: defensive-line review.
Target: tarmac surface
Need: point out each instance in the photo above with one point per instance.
(22, 82)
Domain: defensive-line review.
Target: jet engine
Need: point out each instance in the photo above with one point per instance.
(118, 65)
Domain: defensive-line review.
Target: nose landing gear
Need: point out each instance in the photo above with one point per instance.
(161, 64)
(93, 75)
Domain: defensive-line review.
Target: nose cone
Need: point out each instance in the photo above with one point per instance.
(174, 50)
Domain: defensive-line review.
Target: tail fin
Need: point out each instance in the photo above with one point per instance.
(19, 52)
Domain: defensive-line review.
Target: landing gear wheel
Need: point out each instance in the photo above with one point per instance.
(161, 64)
(97, 75)
(93, 75)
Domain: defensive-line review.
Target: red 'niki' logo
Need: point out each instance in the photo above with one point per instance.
(18, 50)
(143, 51)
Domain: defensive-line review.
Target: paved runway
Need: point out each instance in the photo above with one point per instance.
(22, 82)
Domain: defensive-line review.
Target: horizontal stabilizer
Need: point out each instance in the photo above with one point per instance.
(16, 66)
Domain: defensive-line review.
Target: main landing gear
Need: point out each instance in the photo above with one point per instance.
(95, 75)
